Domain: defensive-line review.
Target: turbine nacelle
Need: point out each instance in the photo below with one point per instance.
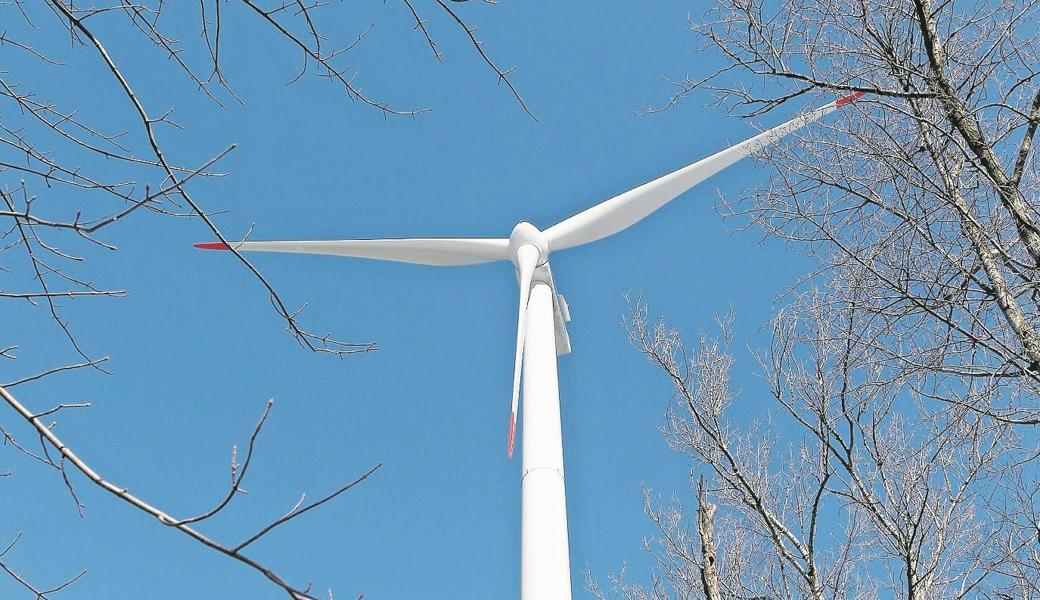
(523, 234)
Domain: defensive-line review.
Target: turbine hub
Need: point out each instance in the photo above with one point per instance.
(524, 233)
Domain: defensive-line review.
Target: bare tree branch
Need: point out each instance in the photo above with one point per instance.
(67, 454)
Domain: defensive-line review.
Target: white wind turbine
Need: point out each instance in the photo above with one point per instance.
(541, 332)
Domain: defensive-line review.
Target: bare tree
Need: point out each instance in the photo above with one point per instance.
(900, 459)
(67, 180)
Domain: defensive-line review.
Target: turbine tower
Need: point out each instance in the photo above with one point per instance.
(541, 332)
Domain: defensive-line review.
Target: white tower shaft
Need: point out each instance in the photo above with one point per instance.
(545, 572)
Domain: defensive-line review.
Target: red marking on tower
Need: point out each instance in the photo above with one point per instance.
(212, 246)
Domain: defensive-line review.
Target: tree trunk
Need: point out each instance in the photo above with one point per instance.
(706, 531)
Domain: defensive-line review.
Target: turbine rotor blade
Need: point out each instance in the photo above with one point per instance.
(421, 251)
(620, 212)
(526, 260)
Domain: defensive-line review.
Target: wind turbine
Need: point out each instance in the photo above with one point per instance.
(541, 331)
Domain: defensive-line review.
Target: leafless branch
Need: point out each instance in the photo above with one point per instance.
(48, 436)
(39, 593)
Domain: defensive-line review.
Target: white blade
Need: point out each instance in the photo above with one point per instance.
(526, 261)
(421, 251)
(620, 212)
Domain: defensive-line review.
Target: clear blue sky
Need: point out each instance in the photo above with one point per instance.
(197, 350)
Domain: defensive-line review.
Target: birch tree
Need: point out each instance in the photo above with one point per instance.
(899, 457)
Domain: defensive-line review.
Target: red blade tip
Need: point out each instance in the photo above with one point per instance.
(512, 433)
(849, 99)
(212, 246)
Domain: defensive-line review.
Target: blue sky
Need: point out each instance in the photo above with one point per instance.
(197, 350)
